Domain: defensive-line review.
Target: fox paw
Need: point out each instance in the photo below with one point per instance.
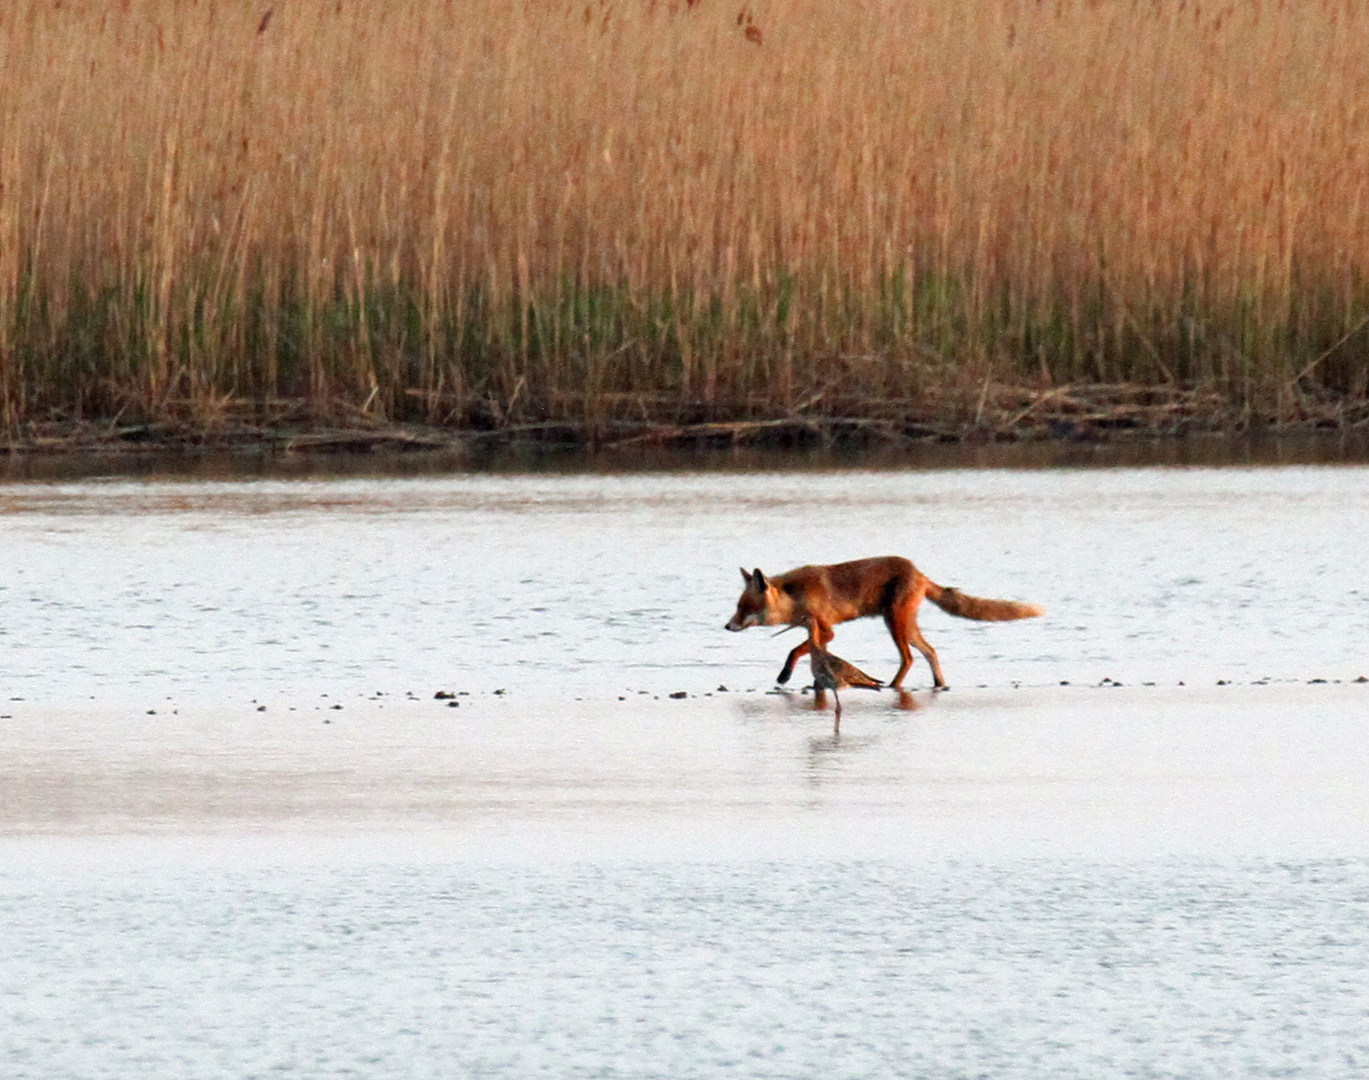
(783, 676)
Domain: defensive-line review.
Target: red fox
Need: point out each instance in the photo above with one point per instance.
(821, 596)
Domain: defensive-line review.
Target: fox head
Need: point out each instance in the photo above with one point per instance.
(759, 604)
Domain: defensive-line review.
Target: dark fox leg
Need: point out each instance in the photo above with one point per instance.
(797, 653)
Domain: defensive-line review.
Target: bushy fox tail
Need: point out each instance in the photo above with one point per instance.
(955, 602)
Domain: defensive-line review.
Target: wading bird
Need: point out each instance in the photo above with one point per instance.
(831, 672)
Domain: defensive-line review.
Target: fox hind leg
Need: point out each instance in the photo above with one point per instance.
(901, 620)
(905, 654)
(898, 619)
(920, 642)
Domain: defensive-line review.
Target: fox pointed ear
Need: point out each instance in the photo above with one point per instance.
(757, 580)
(746, 575)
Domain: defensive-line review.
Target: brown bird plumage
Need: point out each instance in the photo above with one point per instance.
(831, 672)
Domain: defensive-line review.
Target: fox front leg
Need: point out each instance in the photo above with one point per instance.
(797, 653)
(817, 631)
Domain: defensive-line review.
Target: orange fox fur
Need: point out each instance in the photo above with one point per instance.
(819, 597)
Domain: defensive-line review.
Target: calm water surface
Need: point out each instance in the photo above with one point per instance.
(240, 836)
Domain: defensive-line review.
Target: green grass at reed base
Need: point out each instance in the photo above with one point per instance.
(923, 356)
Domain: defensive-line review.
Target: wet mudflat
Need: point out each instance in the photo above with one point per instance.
(242, 835)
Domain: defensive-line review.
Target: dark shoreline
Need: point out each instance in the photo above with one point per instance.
(1001, 413)
(91, 450)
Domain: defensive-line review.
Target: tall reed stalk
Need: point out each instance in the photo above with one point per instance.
(502, 210)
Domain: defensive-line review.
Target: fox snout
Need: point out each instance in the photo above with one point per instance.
(737, 623)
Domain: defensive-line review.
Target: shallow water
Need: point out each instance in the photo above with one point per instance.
(671, 969)
(548, 584)
(240, 836)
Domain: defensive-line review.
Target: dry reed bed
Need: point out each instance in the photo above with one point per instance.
(599, 214)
